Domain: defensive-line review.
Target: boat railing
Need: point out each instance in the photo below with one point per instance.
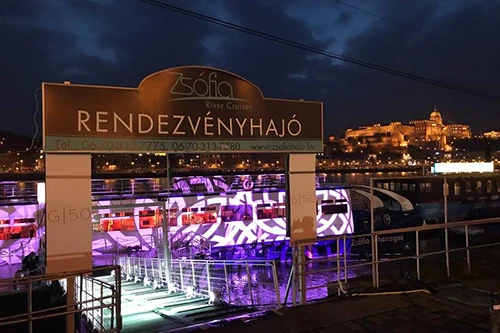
(332, 273)
(97, 303)
(238, 282)
(100, 187)
(119, 187)
(193, 242)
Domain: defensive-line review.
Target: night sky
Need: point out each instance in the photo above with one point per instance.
(119, 42)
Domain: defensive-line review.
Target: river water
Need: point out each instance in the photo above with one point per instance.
(149, 185)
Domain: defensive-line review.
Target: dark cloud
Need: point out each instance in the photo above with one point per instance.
(120, 42)
(449, 54)
(88, 43)
(26, 59)
(343, 20)
(268, 64)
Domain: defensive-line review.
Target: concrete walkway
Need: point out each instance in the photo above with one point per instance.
(399, 313)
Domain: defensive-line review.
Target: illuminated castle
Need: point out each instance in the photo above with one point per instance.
(397, 134)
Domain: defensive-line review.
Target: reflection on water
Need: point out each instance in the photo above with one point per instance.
(263, 289)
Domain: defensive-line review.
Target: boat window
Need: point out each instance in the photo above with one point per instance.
(397, 186)
(479, 187)
(457, 188)
(144, 213)
(236, 213)
(379, 185)
(413, 187)
(122, 221)
(425, 187)
(392, 205)
(334, 209)
(172, 216)
(404, 187)
(386, 186)
(208, 215)
(468, 188)
(25, 220)
(148, 219)
(4, 229)
(489, 186)
(498, 185)
(154, 218)
(265, 211)
(391, 186)
(208, 209)
(22, 228)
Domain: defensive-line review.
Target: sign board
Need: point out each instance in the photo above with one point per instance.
(68, 212)
(190, 109)
(462, 167)
(301, 197)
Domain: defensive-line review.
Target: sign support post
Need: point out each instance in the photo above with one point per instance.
(301, 210)
(372, 237)
(446, 239)
(69, 212)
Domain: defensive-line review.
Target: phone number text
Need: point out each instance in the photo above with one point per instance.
(144, 145)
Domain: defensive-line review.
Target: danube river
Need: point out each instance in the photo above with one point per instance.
(25, 189)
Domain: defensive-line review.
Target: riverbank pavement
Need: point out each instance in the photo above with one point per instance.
(417, 311)
(436, 303)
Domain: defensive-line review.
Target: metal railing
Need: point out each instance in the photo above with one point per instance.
(28, 189)
(100, 301)
(237, 282)
(189, 244)
(37, 300)
(341, 264)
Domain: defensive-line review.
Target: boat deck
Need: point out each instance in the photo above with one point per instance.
(145, 309)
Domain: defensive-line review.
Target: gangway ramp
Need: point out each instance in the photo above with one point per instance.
(147, 309)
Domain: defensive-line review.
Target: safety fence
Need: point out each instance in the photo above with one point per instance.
(330, 273)
(237, 282)
(45, 302)
(100, 301)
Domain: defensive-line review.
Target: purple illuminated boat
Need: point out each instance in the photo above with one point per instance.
(211, 214)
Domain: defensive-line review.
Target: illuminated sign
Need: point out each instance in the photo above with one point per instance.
(463, 167)
(184, 109)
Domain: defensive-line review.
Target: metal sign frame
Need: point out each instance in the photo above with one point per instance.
(190, 109)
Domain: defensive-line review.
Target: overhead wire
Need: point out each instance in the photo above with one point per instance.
(409, 27)
(315, 50)
(401, 24)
